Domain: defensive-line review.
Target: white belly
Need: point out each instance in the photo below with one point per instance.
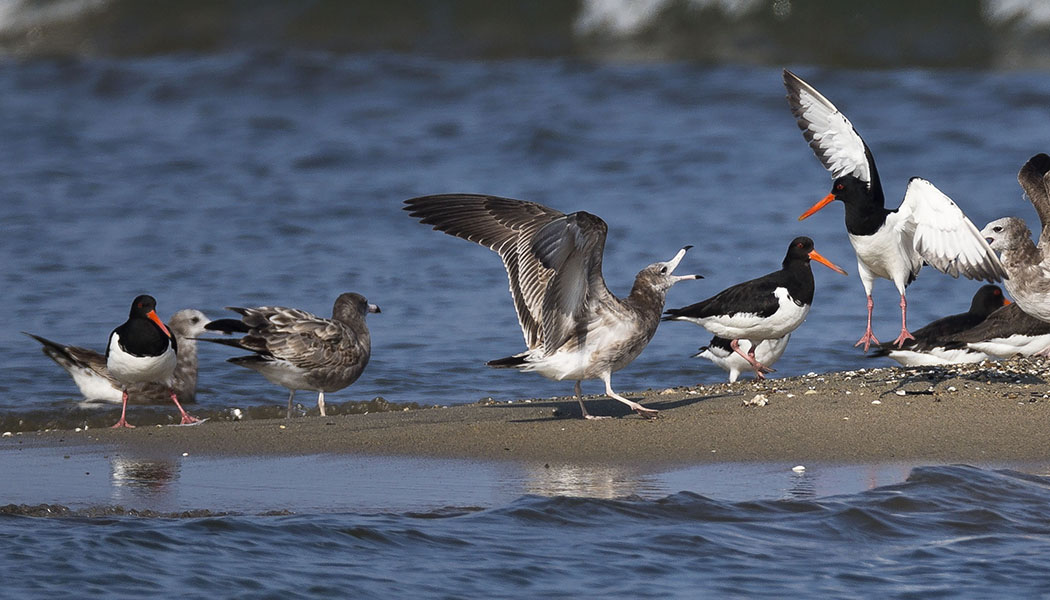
(885, 254)
(609, 347)
(128, 368)
(749, 326)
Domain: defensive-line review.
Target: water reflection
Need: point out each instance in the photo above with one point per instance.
(138, 478)
(588, 481)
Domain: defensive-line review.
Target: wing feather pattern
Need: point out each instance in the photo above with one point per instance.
(944, 237)
(553, 260)
(829, 133)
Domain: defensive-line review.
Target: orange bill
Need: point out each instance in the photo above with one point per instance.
(1007, 302)
(153, 317)
(813, 254)
(819, 205)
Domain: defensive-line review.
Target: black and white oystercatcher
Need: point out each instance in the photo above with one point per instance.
(92, 378)
(143, 350)
(936, 343)
(574, 327)
(720, 351)
(1007, 332)
(1027, 263)
(299, 350)
(890, 244)
(765, 308)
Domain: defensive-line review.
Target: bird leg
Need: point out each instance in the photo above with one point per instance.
(186, 417)
(320, 403)
(290, 396)
(905, 334)
(869, 337)
(123, 410)
(583, 409)
(760, 369)
(648, 413)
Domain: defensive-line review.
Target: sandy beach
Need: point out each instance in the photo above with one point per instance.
(997, 412)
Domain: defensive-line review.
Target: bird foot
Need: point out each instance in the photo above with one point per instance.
(903, 337)
(188, 419)
(868, 339)
(122, 423)
(648, 413)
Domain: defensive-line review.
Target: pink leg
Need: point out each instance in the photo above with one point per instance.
(760, 369)
(905, 334)
(869, 337)
(123, 411)
(186, 417)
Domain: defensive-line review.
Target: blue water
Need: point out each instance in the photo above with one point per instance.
(953, 531)
(259, 154)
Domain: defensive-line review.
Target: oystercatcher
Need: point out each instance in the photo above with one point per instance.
(143, 350)
(765, 308)
(935, 344)
(92, 378)
(720, 351)
(891, 244)
(574, 327)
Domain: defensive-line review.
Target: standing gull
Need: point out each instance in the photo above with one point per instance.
(934, 344)
(574, 327)
(720, 351)
(765, 308)
(1027, 263)
(301, 351)
(143, 350)
(890, 244)
(92, 378)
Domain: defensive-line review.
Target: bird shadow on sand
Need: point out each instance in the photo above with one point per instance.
(569, 408)
(920, 381)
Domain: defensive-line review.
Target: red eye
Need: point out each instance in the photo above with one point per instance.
(839, 186)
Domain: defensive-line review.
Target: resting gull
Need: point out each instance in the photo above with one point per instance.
(890, 244)
(301, 351)
(574, 327)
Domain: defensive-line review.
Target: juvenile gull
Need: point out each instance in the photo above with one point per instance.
(92, 378)
(720, 351)
(890, 244)
(143, 350)
(935, 344)
(574, 327)
(301, 351)
(1027, 263)
(765, 308)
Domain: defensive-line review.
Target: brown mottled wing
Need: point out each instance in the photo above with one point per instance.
(572, 247)
(301, 338)
(1034, 178)
(507, 227)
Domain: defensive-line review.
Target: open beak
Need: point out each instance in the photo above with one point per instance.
(819, 205)
(814, 255)
(673, 263)
(153, 317)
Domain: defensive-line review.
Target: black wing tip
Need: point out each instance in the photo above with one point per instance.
(228, 326)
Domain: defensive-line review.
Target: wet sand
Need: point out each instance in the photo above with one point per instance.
(997, 412)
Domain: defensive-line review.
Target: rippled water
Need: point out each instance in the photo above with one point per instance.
(953, 531)
(277, 176)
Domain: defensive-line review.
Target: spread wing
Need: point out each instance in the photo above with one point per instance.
(829, 133)
(1034, 178)
(553, 260)
(943, 236)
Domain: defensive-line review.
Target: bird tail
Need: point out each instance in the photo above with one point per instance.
(510, 362)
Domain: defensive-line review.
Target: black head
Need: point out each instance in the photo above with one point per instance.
(850, 189)
(987, 300)
(143, 305)
(801, 251)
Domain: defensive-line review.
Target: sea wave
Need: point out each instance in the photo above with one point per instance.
(1007, 34)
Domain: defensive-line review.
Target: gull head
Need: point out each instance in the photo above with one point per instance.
(1006, 234)
(660, 276)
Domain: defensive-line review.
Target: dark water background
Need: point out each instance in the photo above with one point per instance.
(226, 153)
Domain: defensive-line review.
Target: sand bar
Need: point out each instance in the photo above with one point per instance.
(997, 412)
